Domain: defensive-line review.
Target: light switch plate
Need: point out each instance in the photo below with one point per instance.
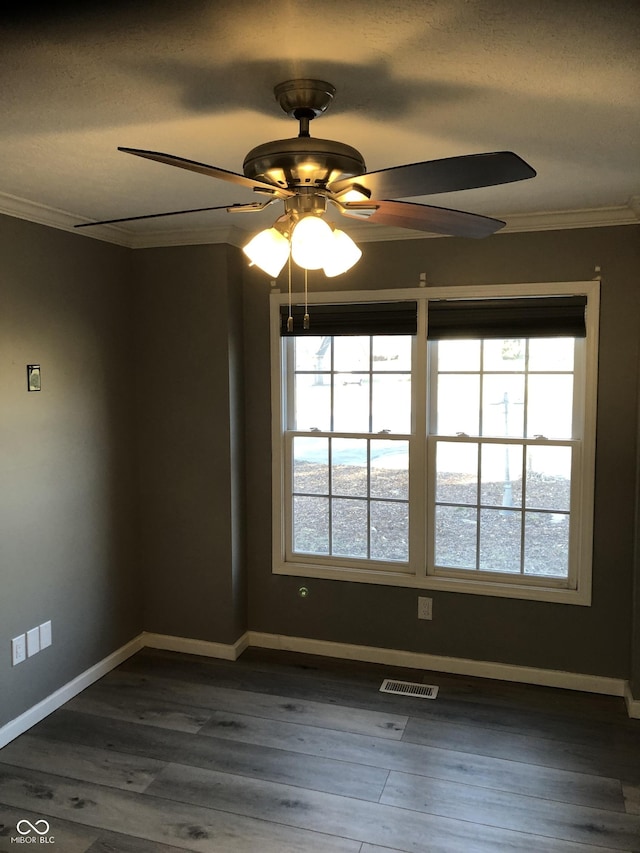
(33, 642)
(45, 635)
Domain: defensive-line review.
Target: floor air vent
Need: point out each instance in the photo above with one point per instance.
(408, 688)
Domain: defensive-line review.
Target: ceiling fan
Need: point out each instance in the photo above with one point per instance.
(307, 173)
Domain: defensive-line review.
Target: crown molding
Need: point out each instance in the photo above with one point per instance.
(597, 217)
(41, 214)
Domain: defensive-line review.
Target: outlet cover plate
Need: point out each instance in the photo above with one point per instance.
(18, 650)
(425, 607)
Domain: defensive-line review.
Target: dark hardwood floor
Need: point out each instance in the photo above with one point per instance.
(286, 753)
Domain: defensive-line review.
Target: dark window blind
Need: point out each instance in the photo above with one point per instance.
(363, 318)
(528, 317)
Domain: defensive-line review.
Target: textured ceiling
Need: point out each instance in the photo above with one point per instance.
(556, 81)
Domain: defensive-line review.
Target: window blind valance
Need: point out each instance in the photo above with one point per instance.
(362, 318)
(529, 317)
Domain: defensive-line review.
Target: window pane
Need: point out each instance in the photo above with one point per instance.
(546, 544)
(311, 465)
(549, 477)
(550, 409)
(313, 402)
(458, 404)
(349, 466)
(349, 527)
(351, 402)
(390, 531)
(503, 355)
(389, 469)
(551, 354)
(391, 403)
(501, 475)
(392, 352)
(351, 352)
(311, 525)
(502, 405)
(456, 472)
(312, 353)
(455, 537)
(458, 355)
(500, 532)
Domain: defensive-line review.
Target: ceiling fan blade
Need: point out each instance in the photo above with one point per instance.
(441, 176)
(258, 205)
(210, 171)
(423, 217)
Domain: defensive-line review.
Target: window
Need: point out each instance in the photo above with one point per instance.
(439, 440)
(349, 446)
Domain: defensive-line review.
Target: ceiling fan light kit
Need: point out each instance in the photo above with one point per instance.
(269, 250)
(307, 173)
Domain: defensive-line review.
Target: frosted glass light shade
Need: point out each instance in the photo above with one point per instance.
(268, 250)
(311, 241)
(342, 254)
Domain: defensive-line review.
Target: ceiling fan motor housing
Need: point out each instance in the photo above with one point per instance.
(303, 161)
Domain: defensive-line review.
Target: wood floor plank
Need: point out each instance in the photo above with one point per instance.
(188, 827)
(241, 759)
(631, 794)
(115, 842)
(272, 706)
(297, 684)
(570, 822)
(450, 764)
(68, 837)
(381, 824)
(77, 761)
(373, 848)
(579, 758)
(107, 702)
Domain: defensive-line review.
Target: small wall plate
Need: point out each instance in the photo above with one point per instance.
(33, 377)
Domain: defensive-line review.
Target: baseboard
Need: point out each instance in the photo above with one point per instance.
(439, 663)
(633, 705)
(346, 651)
(196, 647)
(47, 706)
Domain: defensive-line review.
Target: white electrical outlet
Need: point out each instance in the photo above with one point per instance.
(33, 642)
(18, 649)
(45, 635)
(425, 607)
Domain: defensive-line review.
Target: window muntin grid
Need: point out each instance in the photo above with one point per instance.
(501, 501)
(350, 487)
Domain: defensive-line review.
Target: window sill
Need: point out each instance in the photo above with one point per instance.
(492, 588)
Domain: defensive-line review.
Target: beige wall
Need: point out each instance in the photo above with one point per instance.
(188, 346)
(66, 475)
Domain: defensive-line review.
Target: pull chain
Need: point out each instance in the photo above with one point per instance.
(305, 322)
(290, 318)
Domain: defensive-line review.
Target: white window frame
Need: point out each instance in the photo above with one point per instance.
(417, 575)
